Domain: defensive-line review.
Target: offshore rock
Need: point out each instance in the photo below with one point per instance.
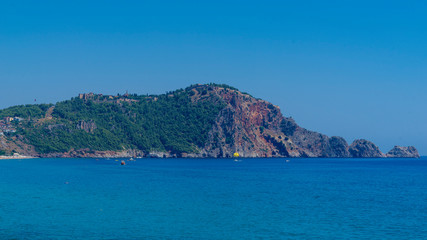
(362, 148)
(403, 152)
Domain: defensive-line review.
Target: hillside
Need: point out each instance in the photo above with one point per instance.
(200, 121)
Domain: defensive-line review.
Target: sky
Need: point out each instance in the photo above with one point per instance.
(356, 69)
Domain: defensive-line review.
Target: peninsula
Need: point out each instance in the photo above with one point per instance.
(203, 120)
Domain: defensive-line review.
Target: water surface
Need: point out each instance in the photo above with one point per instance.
(213, 199)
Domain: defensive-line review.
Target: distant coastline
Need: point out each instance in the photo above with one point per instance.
(200, 121)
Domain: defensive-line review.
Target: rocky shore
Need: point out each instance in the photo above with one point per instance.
(359, 149)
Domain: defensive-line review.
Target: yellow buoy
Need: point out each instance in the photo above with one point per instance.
(236, 154)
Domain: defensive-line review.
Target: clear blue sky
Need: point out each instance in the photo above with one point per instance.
(356, 69)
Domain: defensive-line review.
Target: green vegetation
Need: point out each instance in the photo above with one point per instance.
(288, 127)
(223, 86)
(25, 111)
(280, 146)
(168, 122)
(210, 85)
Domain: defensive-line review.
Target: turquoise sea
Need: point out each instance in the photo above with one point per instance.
(213, 199)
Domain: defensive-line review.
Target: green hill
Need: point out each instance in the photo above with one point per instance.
(169, 122)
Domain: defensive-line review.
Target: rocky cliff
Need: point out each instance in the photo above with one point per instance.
(257, 128)
(252, 127)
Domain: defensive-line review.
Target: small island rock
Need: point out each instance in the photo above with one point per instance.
(403, 152)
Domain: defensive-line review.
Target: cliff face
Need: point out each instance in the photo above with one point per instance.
(256, 128)
(313, 144)
(248, 126)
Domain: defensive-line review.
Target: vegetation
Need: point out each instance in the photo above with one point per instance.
(210, 85)
(288, 127)
(168, 122)
(25, 111)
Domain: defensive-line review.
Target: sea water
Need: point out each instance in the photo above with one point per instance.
(213, 199)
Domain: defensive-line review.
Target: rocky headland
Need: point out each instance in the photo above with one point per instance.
(240, 123)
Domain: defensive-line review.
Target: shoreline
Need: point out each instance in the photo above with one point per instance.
(169, 157)
(16, 157)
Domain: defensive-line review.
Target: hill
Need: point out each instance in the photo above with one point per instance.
(209, 120)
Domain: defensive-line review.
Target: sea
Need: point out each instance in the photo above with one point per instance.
(260, 198)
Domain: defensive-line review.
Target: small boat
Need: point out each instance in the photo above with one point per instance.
(122, 162)
(131, 159)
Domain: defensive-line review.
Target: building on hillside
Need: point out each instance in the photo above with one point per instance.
(9, 119)
(86, 96)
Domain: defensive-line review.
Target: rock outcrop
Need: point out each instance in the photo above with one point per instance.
(403, 152)
(362, 148)
(87, 126)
